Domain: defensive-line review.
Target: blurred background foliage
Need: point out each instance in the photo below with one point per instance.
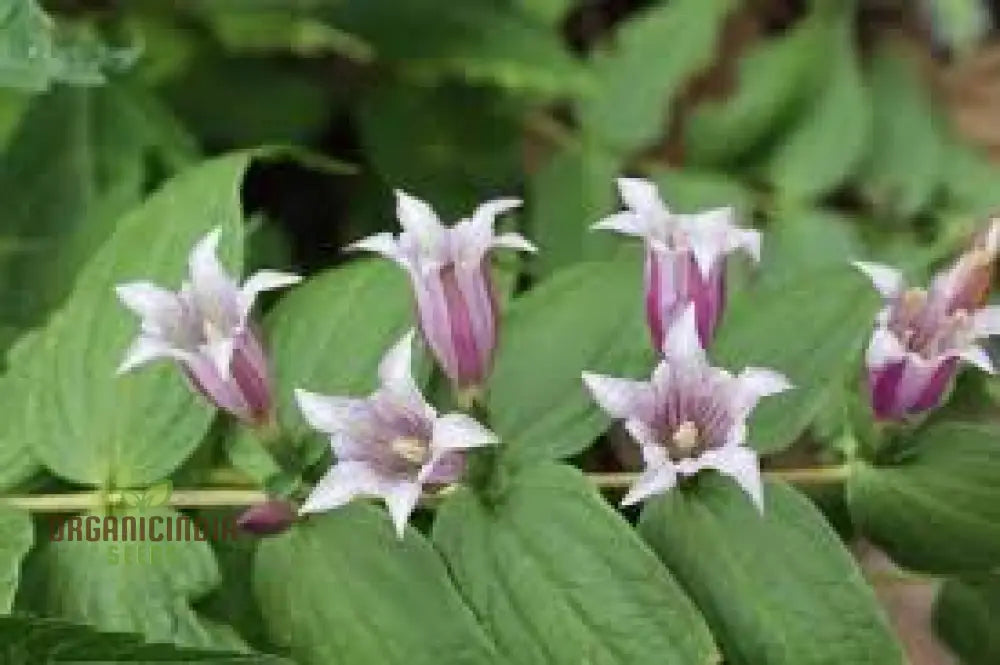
(844, 128)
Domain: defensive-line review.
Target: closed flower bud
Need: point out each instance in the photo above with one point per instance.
(685, 257)
(452, 281)
(267, 519)
(206, 329)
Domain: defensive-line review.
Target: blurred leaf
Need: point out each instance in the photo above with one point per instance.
(13, 104)
(937, 509)
(452, 146)
(966, 616)
(778, 588)
(567, 195)
(267, 30)
(86, 423)
(587, 317)
(654, 55)
(36, 51)
(689, 190)
(558, 578)
(905, 160)
(17, 535)
(130, 585)
(30, 639)
(328, 336)
(79, 159)
(262, 102)
(549, 12)
(825, 146)
(17, 463)
(479, 41)
(811, 328)
(972, 180)
(803, 241)
(342, 588)
(958, 25)
(774, 80)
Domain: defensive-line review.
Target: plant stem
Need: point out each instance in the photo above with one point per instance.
(220, 497)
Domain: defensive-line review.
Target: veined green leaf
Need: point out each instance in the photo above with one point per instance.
(342, 589)
(778, 588)
(17, 535)
(966, 615)
(935, 510)
(558, 578)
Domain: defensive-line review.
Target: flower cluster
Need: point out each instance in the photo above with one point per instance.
(688, 417)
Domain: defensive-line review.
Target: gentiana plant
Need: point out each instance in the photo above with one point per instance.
(347, 282)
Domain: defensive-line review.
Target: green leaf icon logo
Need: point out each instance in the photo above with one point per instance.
(159, 494)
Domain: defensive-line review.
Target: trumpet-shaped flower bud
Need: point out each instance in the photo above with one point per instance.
(920, 337)
(205, 327)
(267, 519)
(389, 444)
(689, 416)
(966, 284)
(452, 281)
(685, 256)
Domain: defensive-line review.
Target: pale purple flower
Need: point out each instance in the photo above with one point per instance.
(206, 328)
(689, 416)
(452, 281)
(685, 256)
(919, 339)
(389, 444)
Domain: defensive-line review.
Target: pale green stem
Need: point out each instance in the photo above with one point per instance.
(211, 498)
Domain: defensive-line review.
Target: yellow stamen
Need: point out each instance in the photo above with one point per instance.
(913, 299)
(686, 436)
(410, 449)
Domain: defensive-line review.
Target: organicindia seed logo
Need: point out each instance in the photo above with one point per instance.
(141, 525)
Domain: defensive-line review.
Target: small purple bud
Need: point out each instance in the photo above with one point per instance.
(672, 282)
(267, 519)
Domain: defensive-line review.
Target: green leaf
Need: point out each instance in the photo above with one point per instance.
(479, 41)
(935, 510)
(778, 588)
(774, 80)
(966, 615)
(653, 56)
(35, 51)
(827, 144)
(584, 318)
(971, 180)
(17, 535)
(567, 195)
(86, 423)
(451, 146)
(811, 328)
(341, 588)
(80, 158)
(557, 577)
(30, 639)
(328, 336)
(803, 241)
(904, 165)
(17, 463)
(115, 583)
(690, 190)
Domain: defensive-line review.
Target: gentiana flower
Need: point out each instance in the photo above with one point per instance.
(689, 416)
(450, 271)
(685, 256)
(921, 335)
(389, 444)
(206, 328)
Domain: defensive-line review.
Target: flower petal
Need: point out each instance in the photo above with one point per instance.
(652, 481)
(641, 196)
(756, 382)
(342, 483)
(155, 305)
(514, 241)
(384, 244)
(329, 414)
(682, 341)
(419, 219)
(887, 280)
(401, 498)
(986, 321)
(740, 464)
(396, 375)
(484, 216)
(619, 398)
(626, 222)
(457, 431)
(749, 240)
(260, 281)
(976, 355)
(884, 348)
(143, 350)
